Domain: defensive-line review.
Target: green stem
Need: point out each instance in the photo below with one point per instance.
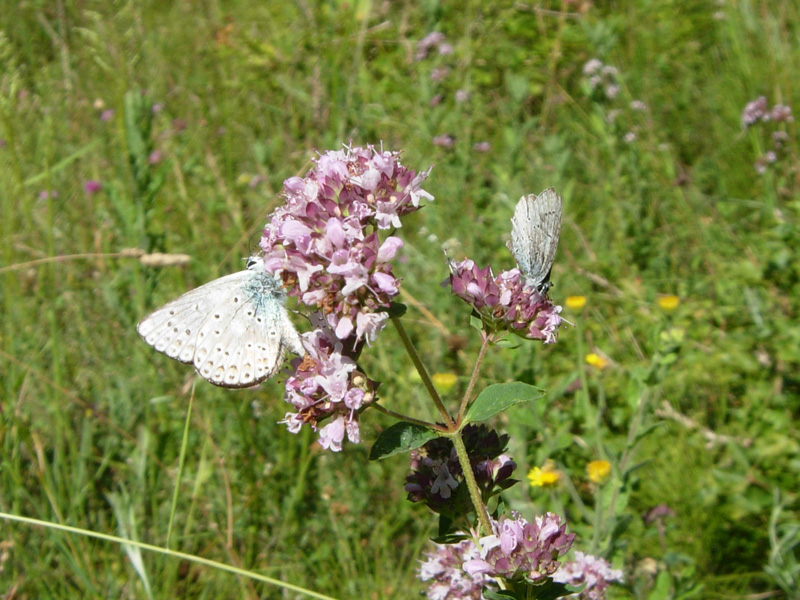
(426, 380)
(627, 453)
(181, 461)
(472, 485)
(465, 400)
(585, 402)
(407, 419)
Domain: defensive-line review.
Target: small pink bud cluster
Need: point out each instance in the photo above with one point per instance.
(758, 112)
(327, 386)
(519, 549)
(505, 302)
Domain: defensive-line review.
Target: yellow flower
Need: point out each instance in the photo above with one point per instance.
(576, 302)
(546, 476)
(598, 471)
(596, 361)
(444, 381)
(669, 302)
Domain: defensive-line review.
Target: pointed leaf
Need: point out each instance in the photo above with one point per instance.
(396, 309)
(400, 437)
(500, 396)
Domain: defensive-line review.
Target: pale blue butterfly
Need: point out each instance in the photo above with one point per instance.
(234, 330)
(535, 229)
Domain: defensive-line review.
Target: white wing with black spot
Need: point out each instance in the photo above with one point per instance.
(234, 330)
(535, 229)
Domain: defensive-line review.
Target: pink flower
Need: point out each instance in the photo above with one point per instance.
(324, 240)
(432, 40)
(443, 567)
(754, 111)
(593, 571)
(445, 140)
(518, 548)
(327, 386)
(92, 186)
(325, 245)
(505, 303)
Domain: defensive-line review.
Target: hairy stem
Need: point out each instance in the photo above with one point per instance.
(407, 419)
(426, 380)
(474, 378)
(472, 485)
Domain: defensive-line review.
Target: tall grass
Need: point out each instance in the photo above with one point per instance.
(192, 115)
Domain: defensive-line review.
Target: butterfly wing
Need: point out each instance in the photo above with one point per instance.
(535, 229)
(233, 330)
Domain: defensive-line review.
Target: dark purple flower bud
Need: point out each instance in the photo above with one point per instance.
(436, 477)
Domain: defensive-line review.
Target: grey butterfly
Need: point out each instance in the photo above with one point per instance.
(234, 330)
(535, 229)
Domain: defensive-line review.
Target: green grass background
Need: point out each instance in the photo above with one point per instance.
(92, 420)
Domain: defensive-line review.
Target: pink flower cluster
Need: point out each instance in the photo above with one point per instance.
(504, 302)
(443, 567)
(593, 571)
(324, 240)
(327, 385)
(600, 76)
(758, 110)
(519, 549)
(434, 39)
(516, 550)
(324, 244)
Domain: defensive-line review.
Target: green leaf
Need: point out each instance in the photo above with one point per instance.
(524, 590)
(476, 322)
(499, 397)
(400, 437)
(498, 594)
(551, 590)
(397, 309)
(508, 343)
